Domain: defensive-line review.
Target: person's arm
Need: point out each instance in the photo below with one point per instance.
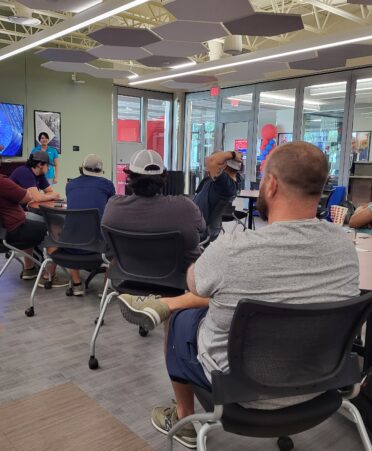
(216, 163)
(361, 218)
(56, 169)
(26, 199)
(191, 280)
(40, 196)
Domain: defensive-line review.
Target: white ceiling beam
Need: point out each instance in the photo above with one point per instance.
(336, 11)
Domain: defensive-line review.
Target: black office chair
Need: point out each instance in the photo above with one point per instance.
(214, 225)
(143, 264)
(282, 350)
(15, 251)
(71, 229)
(230, 214)
(175, 183)
(323, 207)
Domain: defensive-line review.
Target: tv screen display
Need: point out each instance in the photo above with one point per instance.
(11, 129)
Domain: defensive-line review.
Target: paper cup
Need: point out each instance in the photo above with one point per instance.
(338, 214)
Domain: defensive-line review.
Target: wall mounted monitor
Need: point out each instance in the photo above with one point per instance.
(11, 129)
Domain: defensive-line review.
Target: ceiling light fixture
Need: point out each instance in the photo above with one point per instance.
(85, 7)
(131, 77)
(180, 66)
(88, 17)
(337, 43)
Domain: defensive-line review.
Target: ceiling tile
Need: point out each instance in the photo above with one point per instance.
(116, 52)
(210, 10)
(108, 73)
(265, 24)
(129, 37)
(61, 66)
(174, 48)
(181, 30)
(73, 6)
(252, 72)
(350, 51)
(323, 62)
(66, 55)
(360, 2)
(162, 61)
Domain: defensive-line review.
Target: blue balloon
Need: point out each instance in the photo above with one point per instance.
(272, 141)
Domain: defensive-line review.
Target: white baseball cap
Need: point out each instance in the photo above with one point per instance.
(93, 165)
(233, 164)
(146, 162)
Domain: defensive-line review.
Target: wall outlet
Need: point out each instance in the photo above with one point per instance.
(75, 148)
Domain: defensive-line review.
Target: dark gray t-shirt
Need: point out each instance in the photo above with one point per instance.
(293, 262)
(158, 214)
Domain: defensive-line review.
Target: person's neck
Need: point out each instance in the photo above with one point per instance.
(291, 212)
(44, 147)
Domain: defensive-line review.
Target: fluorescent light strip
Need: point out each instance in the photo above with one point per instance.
(254, 60)
(325, 85)
(180, 66)
(131, 77)
(90, 5)
(84, 23)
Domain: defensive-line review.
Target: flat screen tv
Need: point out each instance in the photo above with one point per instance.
(11, 129)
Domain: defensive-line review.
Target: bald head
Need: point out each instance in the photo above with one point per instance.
(300, 166)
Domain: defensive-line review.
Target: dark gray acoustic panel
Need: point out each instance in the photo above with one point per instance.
(181, 30)
(128, 37)
(174, 48)
(66, 55)
(210, 10)
(98, 72)
(321, 63)
(162, 61)
(116, 52)
(61, 66)
(250, 72)
(73, 6)
(349, 51)
(265, 24)
(360, 2)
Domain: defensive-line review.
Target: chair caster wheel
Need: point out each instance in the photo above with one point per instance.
(96, 321)
(48, 285)
(69, 292)
(143, 332)
(30, 312)
(93, 363)
(285, 443)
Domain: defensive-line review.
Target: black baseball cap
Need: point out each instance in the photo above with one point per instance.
(39, 156)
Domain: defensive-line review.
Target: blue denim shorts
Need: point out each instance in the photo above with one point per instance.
(182, 348)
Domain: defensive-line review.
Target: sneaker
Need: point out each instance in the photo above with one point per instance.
(57, 282)
(145, 311)
(78, 290)
(164, 418)
(29, 274)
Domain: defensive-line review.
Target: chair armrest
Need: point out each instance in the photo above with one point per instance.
(204, 242)
(353, 392)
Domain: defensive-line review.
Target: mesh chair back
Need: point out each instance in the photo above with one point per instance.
(150, 258)
(215, 219)
(278, 350)
(175, 183)
(73, 229)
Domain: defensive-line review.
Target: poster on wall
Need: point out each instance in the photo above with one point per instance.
(284, 138)
(360, 144)
(50, 123)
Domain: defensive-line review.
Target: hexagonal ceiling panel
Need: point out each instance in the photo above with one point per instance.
(73, 6)
(108, 73)
(252, 72)
(116, 52)
(210, 10)
(265, 24)
(360, 2)
(84, 68)
(162, 61)
(324, 61)
(173, 48)
(181, 30)
(66, 55)
(129, 37)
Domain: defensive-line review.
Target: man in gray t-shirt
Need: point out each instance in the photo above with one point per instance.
(295, 259)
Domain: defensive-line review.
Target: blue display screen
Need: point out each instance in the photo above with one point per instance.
(11, 129)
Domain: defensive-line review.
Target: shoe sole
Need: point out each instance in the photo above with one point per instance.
(175, 437)
(137, 317)
(79, 293)
(29, 277)
(42, 284)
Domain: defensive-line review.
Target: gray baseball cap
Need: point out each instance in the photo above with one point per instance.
(39, 156)
(146, 162)
(93, 165)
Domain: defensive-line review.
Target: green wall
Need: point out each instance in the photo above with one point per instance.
(86, 110)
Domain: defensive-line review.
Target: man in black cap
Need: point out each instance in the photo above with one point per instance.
(31, 177)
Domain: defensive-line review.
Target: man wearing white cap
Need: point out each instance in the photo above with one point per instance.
(148, 210)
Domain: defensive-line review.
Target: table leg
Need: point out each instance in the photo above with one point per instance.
(250, 213)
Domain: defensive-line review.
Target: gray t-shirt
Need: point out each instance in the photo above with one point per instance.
(158, 214)
(292, 262)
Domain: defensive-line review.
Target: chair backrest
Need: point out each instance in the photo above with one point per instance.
(175, 183)
(277, 350)
(215, 219)
(150, 258)
(73, 229)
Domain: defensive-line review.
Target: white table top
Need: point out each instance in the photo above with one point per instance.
(249, 193)
(363, 247)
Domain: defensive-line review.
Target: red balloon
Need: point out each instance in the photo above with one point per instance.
(265, 142)
(269, 131)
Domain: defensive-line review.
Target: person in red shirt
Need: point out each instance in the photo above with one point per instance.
(19, 227)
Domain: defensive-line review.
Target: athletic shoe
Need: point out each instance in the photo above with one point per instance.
(29, 274)
(145, 311)
(57, 282)
(164, 418)
(78, 290)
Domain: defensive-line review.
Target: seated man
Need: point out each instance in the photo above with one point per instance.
(220, 188)
(296, 258)
(89, 190)
(148, 210)
(362, 218)
(19, 227)
(31, 176)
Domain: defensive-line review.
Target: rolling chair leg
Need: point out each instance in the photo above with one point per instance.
(353, 413)
(8, 262)
(31, 311)
(201, 439)
(103, 297)
(93, 362)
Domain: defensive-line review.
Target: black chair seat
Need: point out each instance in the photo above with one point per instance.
(240, 214)
(77, 261)
(22, 245)
(144, 289)
(274, 423)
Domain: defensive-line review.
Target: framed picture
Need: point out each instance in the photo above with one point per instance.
(284, 138)
(360, 144)
(50, 123)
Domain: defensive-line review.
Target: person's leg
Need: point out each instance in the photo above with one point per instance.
(75, 276)
(57, 281)
(184, 395)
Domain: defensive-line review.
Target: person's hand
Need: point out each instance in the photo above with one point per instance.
(55, 181)
(57, 196)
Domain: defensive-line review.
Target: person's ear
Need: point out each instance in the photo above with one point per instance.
(271, 186)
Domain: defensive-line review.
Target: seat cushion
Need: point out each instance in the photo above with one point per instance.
(144, 289)
(274, 423)
(77, 261)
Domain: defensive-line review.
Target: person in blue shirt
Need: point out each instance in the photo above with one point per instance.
(53, 168)
(90, 190)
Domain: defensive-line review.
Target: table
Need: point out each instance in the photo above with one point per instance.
(252, 195)
(34, 207)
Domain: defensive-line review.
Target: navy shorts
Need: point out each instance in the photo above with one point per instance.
(182, 348)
